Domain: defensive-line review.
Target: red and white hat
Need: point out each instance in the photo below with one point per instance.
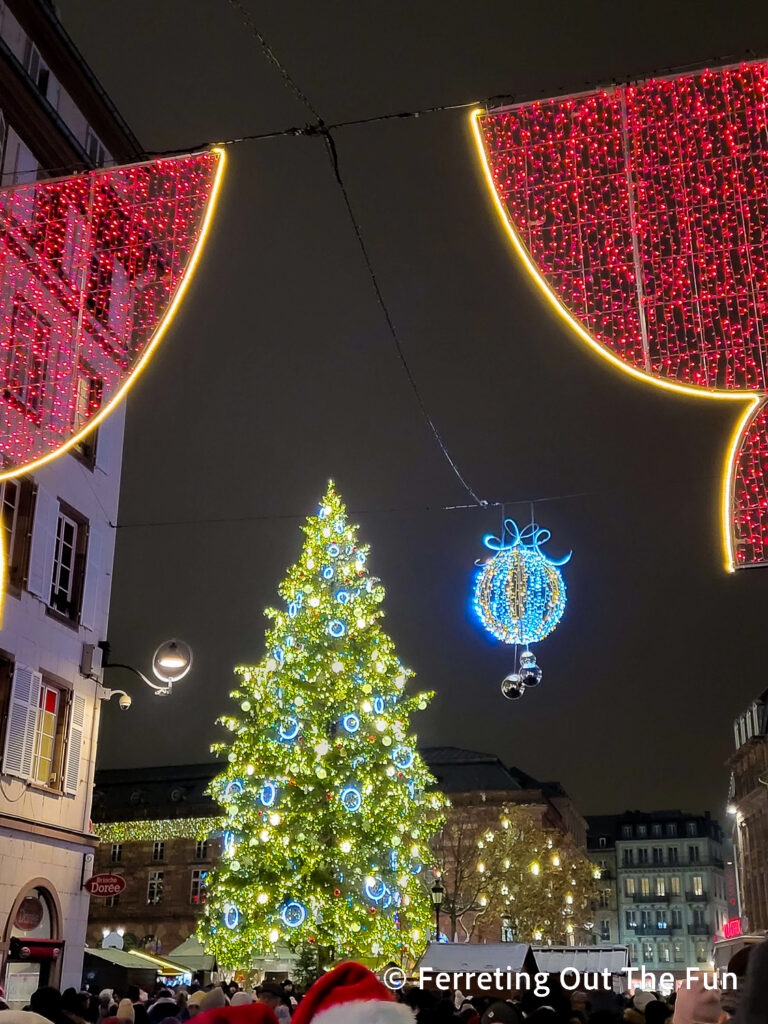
(350, 994)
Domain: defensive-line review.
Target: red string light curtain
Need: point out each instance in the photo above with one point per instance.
(91, 269)
(643, 209)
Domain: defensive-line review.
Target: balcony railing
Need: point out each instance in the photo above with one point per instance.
(698, 929)
(655, 929)
(697, 897)
(649, 897)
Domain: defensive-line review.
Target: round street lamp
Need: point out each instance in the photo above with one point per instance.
(438, 892)
(172, 661)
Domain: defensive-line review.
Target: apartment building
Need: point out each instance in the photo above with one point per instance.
(668, 895)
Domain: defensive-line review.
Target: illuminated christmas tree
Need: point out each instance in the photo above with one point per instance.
(328, 807)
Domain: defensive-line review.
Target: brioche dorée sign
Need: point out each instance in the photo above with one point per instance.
(104, 885)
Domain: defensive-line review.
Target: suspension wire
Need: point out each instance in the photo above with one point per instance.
(320, 128)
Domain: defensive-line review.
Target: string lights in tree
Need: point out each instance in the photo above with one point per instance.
(520, 597)
(328, 809)
(92, 268)
(642, 213)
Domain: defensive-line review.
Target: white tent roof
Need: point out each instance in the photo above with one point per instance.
(192, 955)
(473, 956)
(553, 959)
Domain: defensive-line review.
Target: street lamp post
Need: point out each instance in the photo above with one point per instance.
(438, 892)
(171, 662)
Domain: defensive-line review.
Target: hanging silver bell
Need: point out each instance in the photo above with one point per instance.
(513, 687)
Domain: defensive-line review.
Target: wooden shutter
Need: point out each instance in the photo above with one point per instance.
(74, 743)
(21, 728)
(94, 578)
(43, 544)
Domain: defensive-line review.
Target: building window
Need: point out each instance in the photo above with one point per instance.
(674, 885)
(201, 849)
(690, 828)
(642, 831)
(628, 859)
(632, 951)
(94, 148)
(626, 831)
(658, 855)
(112, 901)
(49, 737)
(605, 931)
(648, 953)
(673, 855)
(699, 920)
(677, 917)
(679, 950)
(602, 842)
(646, 919)
(693, 855)
(155, 887)
(116, 853)
(158, 850)
(698, 885)
(68, 563)
(642, 856)
(197, 893)
(506, 930)
(664, 952)
(661, 887)
(26, 368)
(701, 952)
(629, 887)
(655, 830)
(631, 918)
(16, 501)
(661, 920)
(645, 887)
(88, 397)
(605, 897)
(672, 829)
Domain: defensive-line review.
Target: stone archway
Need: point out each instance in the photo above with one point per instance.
(46, 889)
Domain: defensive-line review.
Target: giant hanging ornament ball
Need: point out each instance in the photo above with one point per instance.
(520, 593)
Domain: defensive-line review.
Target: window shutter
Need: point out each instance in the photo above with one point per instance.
(74, 743)
(94, 577)
(43, 544)
(109, 443)
(23, 711)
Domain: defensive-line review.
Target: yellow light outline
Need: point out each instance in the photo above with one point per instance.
(753, 401)
(157, 337)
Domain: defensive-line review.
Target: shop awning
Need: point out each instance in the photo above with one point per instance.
(137, 958)
(584, 959)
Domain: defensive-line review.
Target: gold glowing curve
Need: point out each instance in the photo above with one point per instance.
(752, 400)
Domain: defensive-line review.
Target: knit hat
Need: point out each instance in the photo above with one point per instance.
(125, 1011)
(242, 999)
(641, 999)
(696, 1005)
(197, 997)
(214, 999)
(350, 994)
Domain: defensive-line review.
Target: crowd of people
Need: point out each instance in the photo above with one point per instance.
(351, 994)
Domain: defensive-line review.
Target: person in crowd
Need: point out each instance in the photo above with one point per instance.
(502, 1012)
(730, 996)
(271, 995)
(696, 1004)
(194, 1003)
(46, 1001)
(74, 1006)
(635, 1012)
(753, 1007)
(658, 1011)
(164, 1006)
(242, 998)
(350, 994)
(125, 1011)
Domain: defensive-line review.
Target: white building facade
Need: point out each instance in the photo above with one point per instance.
(58, 527)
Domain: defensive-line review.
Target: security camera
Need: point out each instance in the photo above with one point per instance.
(124, 701)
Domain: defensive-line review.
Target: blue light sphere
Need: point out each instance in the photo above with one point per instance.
(520, 593)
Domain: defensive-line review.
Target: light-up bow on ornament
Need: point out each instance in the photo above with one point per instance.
(92, 269)
(641, 211)
(520, 597)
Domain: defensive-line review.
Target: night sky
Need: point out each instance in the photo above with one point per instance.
(279, 373)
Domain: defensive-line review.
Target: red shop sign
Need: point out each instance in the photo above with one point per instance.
(105, 885)
(29, 915)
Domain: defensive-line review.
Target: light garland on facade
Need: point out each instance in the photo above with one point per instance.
(642, 213)
(92, 270)
(159, 829)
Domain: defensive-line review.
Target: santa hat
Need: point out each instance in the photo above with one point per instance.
(350, 994)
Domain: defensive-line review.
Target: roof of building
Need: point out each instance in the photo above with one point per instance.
(178, 791)
(461, 957)
(610, 825)
(584, 959)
